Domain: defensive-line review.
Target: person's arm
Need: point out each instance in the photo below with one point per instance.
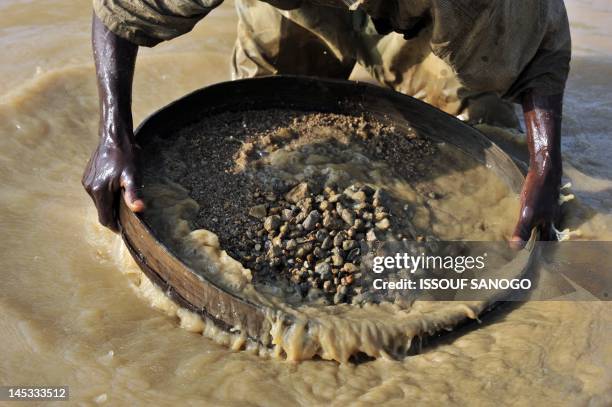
(112, 165)
(540, 194)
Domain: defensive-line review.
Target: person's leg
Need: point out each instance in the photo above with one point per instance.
(269, 43)
(409, 67)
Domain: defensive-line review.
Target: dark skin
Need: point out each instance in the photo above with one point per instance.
(113, 165)
(540, 193)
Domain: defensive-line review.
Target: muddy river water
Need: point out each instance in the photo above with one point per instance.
(70, 316)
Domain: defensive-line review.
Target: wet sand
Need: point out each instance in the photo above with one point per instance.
(70, 317)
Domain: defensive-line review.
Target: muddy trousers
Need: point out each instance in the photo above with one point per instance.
(328, 42)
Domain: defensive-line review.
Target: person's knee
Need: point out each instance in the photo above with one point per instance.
(488, 108)
(258, 32)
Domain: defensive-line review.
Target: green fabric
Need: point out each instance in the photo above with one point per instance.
(456, 49)
(149, 22)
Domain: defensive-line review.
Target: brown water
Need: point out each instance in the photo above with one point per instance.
(69, 317)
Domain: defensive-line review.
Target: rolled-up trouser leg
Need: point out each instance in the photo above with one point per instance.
(409, 67)
(320, 41)
(268, 43)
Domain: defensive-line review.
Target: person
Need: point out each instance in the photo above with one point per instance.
(470, 58)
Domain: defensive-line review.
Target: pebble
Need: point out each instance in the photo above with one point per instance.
(340, 294)
(297, 193)
(303, 250)
(339, 238)
(291, 244)
(337, 260)
(327, 220)
(318, 252)
(350, 268)
(351, 233)
(361, 206)
(258, 211)
(348, 245)
(359, 225)
(316, 240)
(334, 198)
(380, 215)
(371, 236)
(377, 194)
(327, 243)
(284, 228)
(272, 223)
(359, 196)
(339, 207)
(383, 224)
(286, 215)
(311, 220)
(323, 268)
(348, 216)
(275, 251)
(353, 254)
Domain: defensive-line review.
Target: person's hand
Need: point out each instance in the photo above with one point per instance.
(539, 206)
(112, 165)
(111, 168)
(540, 192)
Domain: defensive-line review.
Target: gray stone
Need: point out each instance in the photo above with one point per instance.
(258, 211)
(318, 252)
(339, 238)
(323, 268)
(340, 294)
(327, 243)
(353, 254)
(311, 220)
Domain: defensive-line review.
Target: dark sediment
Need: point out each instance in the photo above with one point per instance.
(268, 230)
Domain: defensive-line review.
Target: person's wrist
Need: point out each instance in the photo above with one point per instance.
(117, 133)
